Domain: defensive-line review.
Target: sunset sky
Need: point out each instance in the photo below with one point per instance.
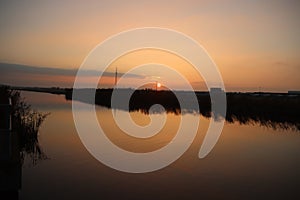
(254, 43)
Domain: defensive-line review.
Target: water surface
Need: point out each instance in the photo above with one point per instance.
(249, 161)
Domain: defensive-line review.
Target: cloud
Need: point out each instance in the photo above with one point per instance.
(7, 68)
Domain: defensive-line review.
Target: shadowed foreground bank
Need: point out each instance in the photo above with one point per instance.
(19, 126)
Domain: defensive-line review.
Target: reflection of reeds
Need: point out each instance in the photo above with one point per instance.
(266, 109)
(279, 111)
(26, 123)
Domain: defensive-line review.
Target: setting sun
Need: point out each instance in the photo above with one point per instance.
(172, 99)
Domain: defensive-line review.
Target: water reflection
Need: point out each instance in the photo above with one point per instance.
(276, 111)
(246, 157)
(273, 121)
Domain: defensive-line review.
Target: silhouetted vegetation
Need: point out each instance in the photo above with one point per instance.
(26, 123)
(274, 110)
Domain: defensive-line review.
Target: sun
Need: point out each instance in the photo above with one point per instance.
(158, 85)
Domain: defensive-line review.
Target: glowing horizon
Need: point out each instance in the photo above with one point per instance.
(254, 44)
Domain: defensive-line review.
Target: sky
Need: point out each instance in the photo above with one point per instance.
(254, 43)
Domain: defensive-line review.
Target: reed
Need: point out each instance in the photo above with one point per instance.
(26, 123)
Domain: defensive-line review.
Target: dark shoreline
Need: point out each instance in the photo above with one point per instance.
(275, 110)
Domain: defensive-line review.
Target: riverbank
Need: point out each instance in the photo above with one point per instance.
(276, 110)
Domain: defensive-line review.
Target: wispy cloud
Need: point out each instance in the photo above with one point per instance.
(7, 68)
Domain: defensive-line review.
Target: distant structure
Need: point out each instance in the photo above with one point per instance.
(294, 92)
(116, 76)
(216, 90)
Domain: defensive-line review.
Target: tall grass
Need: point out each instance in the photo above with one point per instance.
(26, 123)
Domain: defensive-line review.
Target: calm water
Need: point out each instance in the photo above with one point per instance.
(249, 161)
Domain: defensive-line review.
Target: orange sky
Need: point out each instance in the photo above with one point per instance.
(254, 43)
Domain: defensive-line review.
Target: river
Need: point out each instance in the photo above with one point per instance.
(249, 161)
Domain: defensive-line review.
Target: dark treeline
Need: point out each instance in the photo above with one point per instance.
(275, 110)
